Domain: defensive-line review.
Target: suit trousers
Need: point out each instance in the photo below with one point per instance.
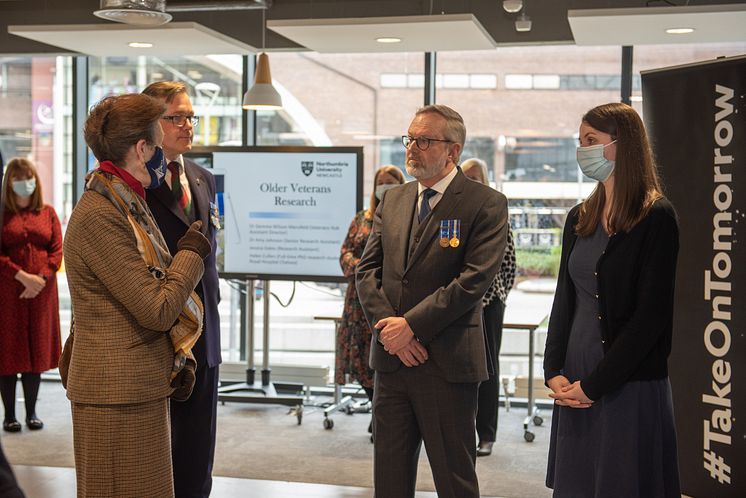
(489, 390)
(193, 425)
(417, 404)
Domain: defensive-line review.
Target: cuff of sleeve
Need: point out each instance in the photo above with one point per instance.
(591, 389)
(416, 330)
(11, 270)
(550, 374)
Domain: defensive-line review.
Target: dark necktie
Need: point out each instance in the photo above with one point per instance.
(179, 194)
(425, 205)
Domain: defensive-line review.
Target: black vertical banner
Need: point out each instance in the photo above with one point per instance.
(696, 118)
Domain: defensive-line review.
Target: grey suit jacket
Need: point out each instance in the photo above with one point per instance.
(437, 290)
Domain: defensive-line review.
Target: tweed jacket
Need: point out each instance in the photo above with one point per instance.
(438, 290)
(121, 351)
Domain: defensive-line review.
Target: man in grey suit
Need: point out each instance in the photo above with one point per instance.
(435, 246)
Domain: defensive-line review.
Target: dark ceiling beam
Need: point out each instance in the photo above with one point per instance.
(549, 17)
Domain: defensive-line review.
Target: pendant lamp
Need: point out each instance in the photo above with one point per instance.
(262, 95)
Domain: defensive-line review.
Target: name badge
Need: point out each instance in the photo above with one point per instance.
(450, 233)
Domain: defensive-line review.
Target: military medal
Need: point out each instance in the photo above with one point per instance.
(445, 229)
(456, 233)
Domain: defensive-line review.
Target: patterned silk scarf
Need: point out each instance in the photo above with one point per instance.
(154, 251)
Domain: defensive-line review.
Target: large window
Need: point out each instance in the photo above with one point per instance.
(647, 57)
(526, 129)
(213, 82)
(36, 123)
(521, 105)
(345, 99)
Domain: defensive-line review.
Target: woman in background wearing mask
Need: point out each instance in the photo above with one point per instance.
(353, 333)
(493, 312)
(135, 315)
(30, 255)
(610, 329)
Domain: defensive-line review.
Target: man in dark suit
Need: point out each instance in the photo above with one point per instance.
(435, 246)
(188, 195)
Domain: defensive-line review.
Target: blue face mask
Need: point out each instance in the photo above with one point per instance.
(157, 168)
(592, 162)
(24, 188)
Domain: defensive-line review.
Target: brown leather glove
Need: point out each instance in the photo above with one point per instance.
(193, 240)
(183, 383)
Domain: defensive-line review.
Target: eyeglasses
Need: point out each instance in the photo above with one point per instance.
(423, 143)
(180, 121)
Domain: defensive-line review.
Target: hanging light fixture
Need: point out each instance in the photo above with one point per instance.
(262, 95)
(136, 12)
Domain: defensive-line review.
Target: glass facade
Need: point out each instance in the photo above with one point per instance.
(521, 105)
(213, 82)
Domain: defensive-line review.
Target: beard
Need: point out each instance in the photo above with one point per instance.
(422, 171)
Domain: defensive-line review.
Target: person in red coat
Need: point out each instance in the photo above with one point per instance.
(30, 255)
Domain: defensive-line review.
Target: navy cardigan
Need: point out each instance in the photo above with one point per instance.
(636, 275)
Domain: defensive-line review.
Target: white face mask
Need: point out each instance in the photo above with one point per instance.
(24, 188)
(381, 189)
(592, 162)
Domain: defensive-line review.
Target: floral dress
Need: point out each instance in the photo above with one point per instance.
(353, 333)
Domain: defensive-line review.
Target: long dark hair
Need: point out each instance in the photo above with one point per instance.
(636, 184)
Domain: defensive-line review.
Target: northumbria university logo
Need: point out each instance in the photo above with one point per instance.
(306, 167)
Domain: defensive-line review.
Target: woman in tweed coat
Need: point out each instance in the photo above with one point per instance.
(117, 364)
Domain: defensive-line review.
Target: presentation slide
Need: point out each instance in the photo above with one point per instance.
(285, 211)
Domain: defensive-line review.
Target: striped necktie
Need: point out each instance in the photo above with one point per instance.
(180, 195)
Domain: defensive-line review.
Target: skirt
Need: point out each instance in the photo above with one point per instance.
(123, 451)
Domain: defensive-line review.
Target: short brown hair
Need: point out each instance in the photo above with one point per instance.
(455, 127)
(636, 184)
(18, 168)
(165, 90)
(117, 123)
(391, 170)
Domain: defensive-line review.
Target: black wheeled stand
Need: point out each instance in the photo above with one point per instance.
(263, 391)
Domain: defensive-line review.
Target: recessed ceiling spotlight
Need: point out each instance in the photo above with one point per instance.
(523, 23)
(388, 39)
(140, 45)
(512, 6)
(679, 31)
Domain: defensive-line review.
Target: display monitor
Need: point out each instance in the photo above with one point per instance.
(284, 211)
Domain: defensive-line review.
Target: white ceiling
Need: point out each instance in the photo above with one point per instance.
(417, 33)
(172, 39)
(647, 25)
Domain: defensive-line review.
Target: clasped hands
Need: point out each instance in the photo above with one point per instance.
(569, 394)
(398, 339)
(32, 284)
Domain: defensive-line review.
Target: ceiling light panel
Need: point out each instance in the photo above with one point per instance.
(101, 40)
(647, 25)
(417, 33)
